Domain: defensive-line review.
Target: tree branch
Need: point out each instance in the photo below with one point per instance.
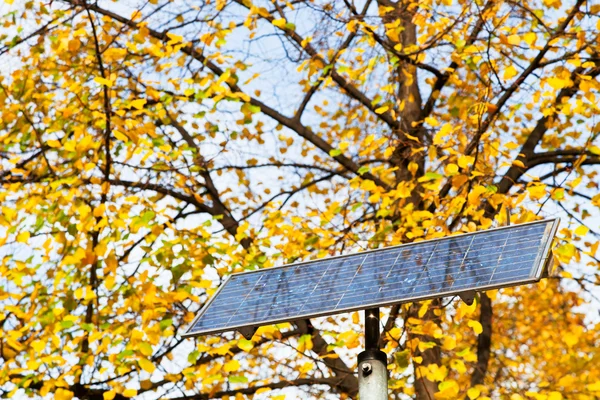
(290, 123)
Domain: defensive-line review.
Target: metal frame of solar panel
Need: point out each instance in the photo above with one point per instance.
(452, 265)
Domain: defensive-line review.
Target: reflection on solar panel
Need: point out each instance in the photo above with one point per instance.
(474, 261)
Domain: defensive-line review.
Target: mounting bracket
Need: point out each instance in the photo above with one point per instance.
(468, 297)
(247, 331)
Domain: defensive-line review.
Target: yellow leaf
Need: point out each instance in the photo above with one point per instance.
(477, 328)
(349, 338)
(413, 167)
(416, 139)
(566, 251)
(451, 169)
(444, 131)
(109, 282)
(511, 145)
(593, 387)
(575, 182)
(205, 283)
(566, 274)
(530, 38)
(120, 136)
(280, 397)
(368, 185)
(558, 83)
(351, 26)
(594, 150)
(449, 343)
(510, 72)
(280, 23)
(231, 366)
(514, 40)
(582, 230)
(103, 81)
(53, 143)
(114, 54)
(174, 38)
(432, 121)
(130, 393)
(558, 193)
(89, 294)
(245, 345)
(473, 393)
(9, 1)
(465, 161)
(109, 395)
(474, 196)
(23, 237)
(306, 367)
(9, 213)
(146, 365)
(555, 396)
(62, 394)
(570, 339)
(458, 366)
(536, 192)
(381, 110)
(138, 104)
(38, 346)
(594, 249)
(448, 390)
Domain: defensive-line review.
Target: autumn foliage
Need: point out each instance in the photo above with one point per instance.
(148, 149)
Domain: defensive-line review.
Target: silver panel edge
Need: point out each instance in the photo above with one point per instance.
(362, 307)
(204, 308)
(546, 253)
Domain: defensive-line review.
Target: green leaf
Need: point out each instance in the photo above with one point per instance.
(237, 379)
(402, 358)
(335, 152)
(193, 356)
(304, 338)
(124, 353)
(165, 323)
(363, 170)
(148, 216)
(66, 324)
(430, 176)
(311, 240)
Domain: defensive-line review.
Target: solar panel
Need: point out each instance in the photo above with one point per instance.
(428, 269)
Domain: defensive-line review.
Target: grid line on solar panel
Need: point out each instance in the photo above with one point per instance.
(388, 275)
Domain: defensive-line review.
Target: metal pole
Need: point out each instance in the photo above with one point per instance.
(372, 362)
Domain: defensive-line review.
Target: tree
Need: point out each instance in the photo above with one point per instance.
(150, 149)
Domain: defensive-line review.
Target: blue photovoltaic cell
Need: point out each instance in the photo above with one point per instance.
(435, 268)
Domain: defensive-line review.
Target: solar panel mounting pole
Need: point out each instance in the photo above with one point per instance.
(372, 362)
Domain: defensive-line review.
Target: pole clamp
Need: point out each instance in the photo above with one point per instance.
(368, 355)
